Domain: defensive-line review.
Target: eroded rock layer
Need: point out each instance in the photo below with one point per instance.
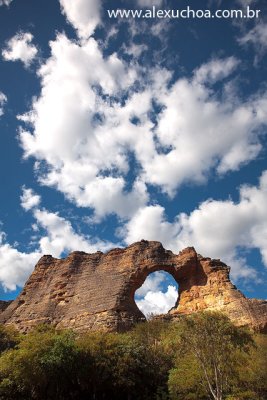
(4, 305)
(96, 291)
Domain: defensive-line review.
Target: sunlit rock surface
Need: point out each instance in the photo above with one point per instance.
(96, 291)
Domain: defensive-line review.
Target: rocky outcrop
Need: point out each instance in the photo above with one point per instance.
(4, 305)
(217, 293)
(96, 291)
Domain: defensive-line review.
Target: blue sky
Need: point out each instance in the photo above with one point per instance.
(117, 130)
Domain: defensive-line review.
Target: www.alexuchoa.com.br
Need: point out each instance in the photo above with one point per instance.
(185, 13)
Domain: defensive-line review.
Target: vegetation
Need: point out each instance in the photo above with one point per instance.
(200, 357)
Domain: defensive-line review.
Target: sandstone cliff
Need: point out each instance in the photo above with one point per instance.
(96, 291)
(4, 305)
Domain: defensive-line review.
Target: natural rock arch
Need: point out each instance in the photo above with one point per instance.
(158, 294)
(96, 291)
(137, 281)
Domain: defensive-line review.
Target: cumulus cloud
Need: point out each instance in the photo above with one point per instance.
(150, 3)
(152, 283)
(243, 225)
(158, 302)
(84, 15)
(201, 132)
(3, 100)
(15, 266)
(150, 222)
(245, 3)
(53, 235)
(5, 2)
(29, 199)
(20, 48)
(61, 238)
(215, 70)
(151, 298)
(257, 37)
(83, 137)
(86, 135)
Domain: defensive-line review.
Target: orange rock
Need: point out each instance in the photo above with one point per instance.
(96, 291)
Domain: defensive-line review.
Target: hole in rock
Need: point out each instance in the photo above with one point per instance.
(157, 295)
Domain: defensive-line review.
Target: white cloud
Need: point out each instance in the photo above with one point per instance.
(87, 156)
(245, 3)
(3, 100)
(243, 223)
(53, 235)
(20, 48)
(158, 302)
(84, 15)
(243, 226)
(135, 50)
(215, 70)
(201, 132)
(216, 228)
(150, 3)
(257, 37)
(152, 283)
(15, 266)
(5, 2)
(61, 238)
(84, 132)
(150, 223)
(151, 298)
(29, 199)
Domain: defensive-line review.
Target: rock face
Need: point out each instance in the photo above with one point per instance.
(4, 305)
(96, 291)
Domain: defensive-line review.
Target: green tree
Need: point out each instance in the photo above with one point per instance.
(9, 338)
(102, 351)
(199, 357)
(186, 380)
(251, 376)
(214, 344)
(43, 366)
(133, 365)
(152, 338)
(116, 368)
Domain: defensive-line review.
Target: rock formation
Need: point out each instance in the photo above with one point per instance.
(96, 291)
(4, 305)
